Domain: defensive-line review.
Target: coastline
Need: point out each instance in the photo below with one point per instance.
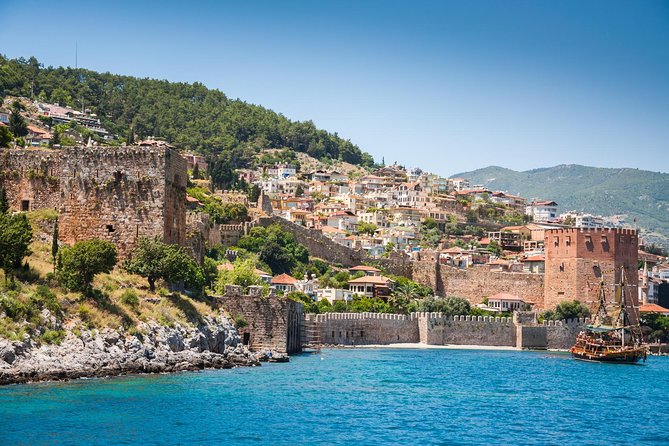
(154, 348)
(421, 346)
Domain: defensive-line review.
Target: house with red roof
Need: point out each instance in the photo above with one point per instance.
(504, 302)
(371, 286)
(284, 282)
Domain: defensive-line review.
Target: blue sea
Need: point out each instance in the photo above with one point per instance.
(358, 397)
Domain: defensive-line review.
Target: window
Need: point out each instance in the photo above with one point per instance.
(25, 205)
(556, 241)
(567, 241)
(110, 229)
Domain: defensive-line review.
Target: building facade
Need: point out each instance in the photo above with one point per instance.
(577, 260)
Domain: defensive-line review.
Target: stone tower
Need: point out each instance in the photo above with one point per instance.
(113, 193)
(576, 260)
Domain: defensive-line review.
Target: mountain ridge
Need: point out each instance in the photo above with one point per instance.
(628, 192)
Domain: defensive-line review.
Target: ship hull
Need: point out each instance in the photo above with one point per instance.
(631, 356)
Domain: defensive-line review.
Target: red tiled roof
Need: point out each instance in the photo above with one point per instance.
(508, 296)
(364, 268)
(283, 279)
(376, 280)
(537, 258)
(652, 308)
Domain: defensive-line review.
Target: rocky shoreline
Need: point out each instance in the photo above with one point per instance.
(152, 348)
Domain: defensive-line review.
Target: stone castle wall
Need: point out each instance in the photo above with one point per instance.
(577, 259)
(273, 323)
(113, 193)
(365, 328)
(475, 284)
(437, 329)
(468, 330)
(317, 244)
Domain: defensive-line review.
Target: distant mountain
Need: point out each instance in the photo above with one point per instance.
(630, 193)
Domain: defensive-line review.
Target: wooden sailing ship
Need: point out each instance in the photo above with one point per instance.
(614, 337)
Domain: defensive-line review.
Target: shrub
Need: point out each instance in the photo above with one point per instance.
(53, 336)
(240, 321)
(130, 298)
(79, 264)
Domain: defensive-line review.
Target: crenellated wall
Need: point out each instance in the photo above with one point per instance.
(365, 328)
(437, 329)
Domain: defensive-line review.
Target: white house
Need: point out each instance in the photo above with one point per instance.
(543, 211)
(334, 294)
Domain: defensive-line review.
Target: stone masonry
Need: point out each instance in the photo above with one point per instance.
(273, 323)
(577, 259)
(112, 193)
(476, 283)
(436, 329)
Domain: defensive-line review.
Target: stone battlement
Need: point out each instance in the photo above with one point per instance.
(438, 329)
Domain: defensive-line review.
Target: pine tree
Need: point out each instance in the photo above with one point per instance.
(4, 202)
(54, 243)
(17, 124)
(196, 172)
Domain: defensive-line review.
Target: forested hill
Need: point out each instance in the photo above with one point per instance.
(191, 116)
(639, 194)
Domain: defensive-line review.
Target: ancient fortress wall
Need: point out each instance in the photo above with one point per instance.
(273, 323)
(365, 328)
(317, 244)
(468, 330)
(437, 329)
(475, 284)
(112, 193)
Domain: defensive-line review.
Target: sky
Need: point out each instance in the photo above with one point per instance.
(448, 86)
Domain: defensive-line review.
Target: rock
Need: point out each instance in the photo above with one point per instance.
(154, 348)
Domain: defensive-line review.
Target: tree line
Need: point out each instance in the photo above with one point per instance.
(191, 116)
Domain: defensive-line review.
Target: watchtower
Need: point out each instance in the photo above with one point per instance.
(578, 259)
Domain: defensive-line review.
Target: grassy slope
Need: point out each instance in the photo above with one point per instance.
(106, 310)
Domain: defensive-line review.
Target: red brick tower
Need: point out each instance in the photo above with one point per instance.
(576, 259)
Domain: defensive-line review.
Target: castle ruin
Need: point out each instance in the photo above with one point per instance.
(117, 194)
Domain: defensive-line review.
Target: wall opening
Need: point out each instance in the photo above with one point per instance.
(246, 339)
(25, 205)
(110, 229)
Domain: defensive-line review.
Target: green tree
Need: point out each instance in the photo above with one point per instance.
(401, 296)
(494, 248)
(153, 259)
(17, 125)
(309, 305)
(196, 172)
(6, 136)
(15, 237)
(567, 310)
(450, 306)
(299, 190)
(242, 274)
(367, 228)
(254, 193)
(80, 263)
(54, 243)
(275, 247)
(4, 202)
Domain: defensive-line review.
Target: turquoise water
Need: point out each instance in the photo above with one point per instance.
(355, 397)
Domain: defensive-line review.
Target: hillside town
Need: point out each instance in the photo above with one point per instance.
(387, 212)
